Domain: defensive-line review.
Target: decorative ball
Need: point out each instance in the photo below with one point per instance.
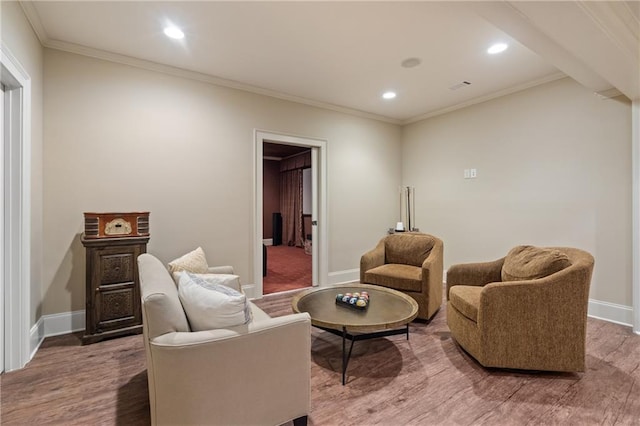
(361, 303)
(356, 294)
(353, 300)
(345, 298)
(339, 297)
(348, 294)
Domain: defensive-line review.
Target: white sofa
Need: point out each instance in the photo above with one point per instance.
(253, 374)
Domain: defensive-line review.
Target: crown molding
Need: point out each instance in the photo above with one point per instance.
(34, 20)
(206, 78)
(485, 98)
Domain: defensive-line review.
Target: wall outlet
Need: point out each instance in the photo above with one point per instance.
(474, 173)
(467, 174)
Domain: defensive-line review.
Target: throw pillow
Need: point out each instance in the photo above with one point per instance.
(529, 263)
(228, 280)
(194, 261)
(210, 306)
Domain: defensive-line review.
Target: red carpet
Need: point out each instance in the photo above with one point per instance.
(288, 268)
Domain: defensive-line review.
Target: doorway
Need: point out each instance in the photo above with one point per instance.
(287, 228)
(314, 233)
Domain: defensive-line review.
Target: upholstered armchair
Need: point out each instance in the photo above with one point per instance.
(254, 373)
(410, 262)
(527, 310)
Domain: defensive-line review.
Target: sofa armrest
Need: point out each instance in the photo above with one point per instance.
(221, 270)
(372, 259)
(474, 274)
(267, 364)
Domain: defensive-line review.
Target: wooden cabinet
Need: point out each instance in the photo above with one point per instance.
(112, 285)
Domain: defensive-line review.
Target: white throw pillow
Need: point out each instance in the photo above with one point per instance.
(229, 280)
(194, 261)
(209, 306)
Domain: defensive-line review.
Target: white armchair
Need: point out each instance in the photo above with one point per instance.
(256, 373)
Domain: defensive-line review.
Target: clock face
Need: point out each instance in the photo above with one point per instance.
(117, 226)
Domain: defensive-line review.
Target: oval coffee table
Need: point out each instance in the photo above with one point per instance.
(389, 313)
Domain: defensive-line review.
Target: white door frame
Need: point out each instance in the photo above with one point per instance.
(260, 136)
(635, 251)
(17, 241)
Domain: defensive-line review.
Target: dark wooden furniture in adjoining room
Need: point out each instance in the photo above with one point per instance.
(113, 243)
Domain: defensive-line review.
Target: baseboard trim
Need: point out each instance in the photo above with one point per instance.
(69, 322)
(341, 277)
(268, 241)
(36, 337)
(612, 312)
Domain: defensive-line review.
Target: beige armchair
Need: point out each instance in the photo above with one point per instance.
(256, 373)
(410, 262)
(527, 310)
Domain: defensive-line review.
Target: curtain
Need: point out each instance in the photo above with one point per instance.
(291, 207)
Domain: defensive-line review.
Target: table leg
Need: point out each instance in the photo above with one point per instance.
(345, 357)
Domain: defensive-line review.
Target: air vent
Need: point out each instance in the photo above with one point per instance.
(460, 85)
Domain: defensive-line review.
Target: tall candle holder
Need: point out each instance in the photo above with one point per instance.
(407, 209)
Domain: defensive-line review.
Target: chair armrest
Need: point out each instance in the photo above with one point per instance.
(474, 274)
(221, 270)
(432, 270)
(372, 259)
(268, 364)
(544, 316)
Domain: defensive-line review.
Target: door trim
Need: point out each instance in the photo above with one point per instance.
(260, 136)
(18, 213)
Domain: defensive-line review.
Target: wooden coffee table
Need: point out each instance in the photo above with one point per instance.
(389, 313)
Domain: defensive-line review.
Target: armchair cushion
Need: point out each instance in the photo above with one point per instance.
(466, 299)
(396, 276)
(530, 263)
(210, 305)
(194, 261)
(408, 251)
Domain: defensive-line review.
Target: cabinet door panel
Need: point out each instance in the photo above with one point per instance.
(116, 268)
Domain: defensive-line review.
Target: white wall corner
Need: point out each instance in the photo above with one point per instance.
(611, 312)
(341, 277)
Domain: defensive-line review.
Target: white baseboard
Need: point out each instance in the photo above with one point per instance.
(268, 242)
(612, 312)
(69, 322)
(36, 336)
(340, 277)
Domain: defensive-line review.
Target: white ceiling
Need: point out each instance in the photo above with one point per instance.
(344, 55)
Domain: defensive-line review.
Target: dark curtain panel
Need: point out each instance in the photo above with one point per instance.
(291, 207)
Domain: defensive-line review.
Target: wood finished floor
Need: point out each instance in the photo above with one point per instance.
(427, 380)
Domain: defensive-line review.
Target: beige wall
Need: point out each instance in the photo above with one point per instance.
(23, 44)
(554, 168)
(119, 138)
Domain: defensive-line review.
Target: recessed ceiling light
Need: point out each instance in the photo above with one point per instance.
(389, 95)
(411, 62)
(497, 48)
(174, 32)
